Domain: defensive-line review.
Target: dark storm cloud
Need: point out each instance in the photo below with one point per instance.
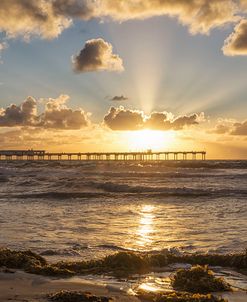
(97, 55)
(125, 119)
(56, 115)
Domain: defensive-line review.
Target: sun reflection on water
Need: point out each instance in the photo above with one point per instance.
(145, 225)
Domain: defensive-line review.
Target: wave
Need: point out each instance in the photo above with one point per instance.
(208, 164)
(113, 247)
(3, 178)
(168, 175)
(177, 191)
(63, 252)
(78, 250)
(113, 190)
(107, 247)
(58, 195)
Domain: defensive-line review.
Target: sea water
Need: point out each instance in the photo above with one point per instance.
(85, 210)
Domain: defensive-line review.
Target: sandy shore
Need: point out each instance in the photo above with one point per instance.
(23, 287)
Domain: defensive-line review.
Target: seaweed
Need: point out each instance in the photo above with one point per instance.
(50, 270)
(178, 297)
(121, 264)
(198, 279)
(237, 260)
(76, 296)
(20, 259)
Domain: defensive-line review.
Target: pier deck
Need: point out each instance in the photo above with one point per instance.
(102, 156)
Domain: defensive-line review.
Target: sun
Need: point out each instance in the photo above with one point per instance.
(143, 140)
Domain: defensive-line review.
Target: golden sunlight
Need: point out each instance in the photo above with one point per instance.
(143, 140)
(145, 225)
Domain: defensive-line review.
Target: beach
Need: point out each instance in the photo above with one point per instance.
(85, 211)
(21, 286)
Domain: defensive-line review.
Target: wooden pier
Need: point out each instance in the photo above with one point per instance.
(149, 155)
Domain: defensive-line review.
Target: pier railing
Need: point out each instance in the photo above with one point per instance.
(102, 156)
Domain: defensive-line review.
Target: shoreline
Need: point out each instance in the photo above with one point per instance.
(20, 286)
(26, 276)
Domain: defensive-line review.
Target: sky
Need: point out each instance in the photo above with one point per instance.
(122, 75)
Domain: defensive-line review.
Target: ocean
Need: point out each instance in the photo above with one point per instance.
(86, 210)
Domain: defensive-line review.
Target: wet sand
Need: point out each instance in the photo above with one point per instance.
(23, 287)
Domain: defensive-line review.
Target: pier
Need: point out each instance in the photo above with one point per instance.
(149, 155)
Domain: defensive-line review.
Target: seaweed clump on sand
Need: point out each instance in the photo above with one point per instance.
(198, 279)
(121, 264)
(178, 297)
(236, 260)
(30, 262)
(76, 296)
(20, 259)
(126, 263)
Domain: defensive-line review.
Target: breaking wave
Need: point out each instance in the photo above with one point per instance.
(109, 189)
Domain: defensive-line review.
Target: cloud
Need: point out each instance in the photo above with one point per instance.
(97, 56)
(119, 98)
(166, 121)
(200, 15)
(84, 9)
(45, 139)
(31, 17)
(3, 45)
(22, 115)
(56, 115)
(236, 43)
(125, 119)
(121, 119)
(48, 19)
(230, 127)
(240, 128)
